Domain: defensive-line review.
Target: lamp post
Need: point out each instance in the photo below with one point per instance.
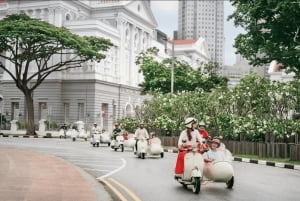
(172, 63)
(172, 69)
(1, 101)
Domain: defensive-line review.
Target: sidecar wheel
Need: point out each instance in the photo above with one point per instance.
(230, 183)
(143, 155)
(122, 147)
(162, 154)
(196, 185)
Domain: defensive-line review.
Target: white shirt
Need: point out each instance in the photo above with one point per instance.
(141, 133)
(214, 155)
(195, 135)
(95, 130)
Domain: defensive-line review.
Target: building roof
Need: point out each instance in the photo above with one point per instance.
(184, 42)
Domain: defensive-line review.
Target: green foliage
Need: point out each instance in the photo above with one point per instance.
(254, 109)
(271, 32)
(157, 75)
(21, 125)
(129, 124)
(36, 49)
(52, 125)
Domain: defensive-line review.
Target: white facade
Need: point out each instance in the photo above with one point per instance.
(97, 92)
(203, 19)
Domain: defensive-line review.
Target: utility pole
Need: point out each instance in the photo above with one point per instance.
(172, 62)
(172, 69)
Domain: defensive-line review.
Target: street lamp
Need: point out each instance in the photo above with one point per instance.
(172, 63)
(172, 69)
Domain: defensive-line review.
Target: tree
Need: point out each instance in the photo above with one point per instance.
(36, 49)
(157, 75)
(272, 32)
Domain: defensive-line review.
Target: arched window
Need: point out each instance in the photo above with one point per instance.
(128, 110)
(68, 17)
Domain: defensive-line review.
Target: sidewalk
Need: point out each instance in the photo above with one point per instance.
(32, 176)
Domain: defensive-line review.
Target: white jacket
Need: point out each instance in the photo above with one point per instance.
(196, 136)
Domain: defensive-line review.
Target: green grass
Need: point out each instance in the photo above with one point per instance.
(280, 160)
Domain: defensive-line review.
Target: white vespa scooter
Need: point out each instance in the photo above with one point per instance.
(142, 146)
(118, 143)
(193, 170)
(95, 139)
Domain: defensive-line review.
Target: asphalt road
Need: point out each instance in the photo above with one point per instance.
(152, 179)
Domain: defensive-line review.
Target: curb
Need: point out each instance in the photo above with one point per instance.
(254, 161)
(24, 136)
(267, 163)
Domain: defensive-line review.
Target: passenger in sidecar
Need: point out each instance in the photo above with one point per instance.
(129, 140)
(155, 148)
(218, 167)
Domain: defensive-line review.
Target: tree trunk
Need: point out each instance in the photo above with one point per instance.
(30, 113)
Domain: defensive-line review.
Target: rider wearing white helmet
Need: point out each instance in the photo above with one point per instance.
(190, 136)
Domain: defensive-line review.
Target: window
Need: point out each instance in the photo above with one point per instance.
(43, 110)
(80, 112)
(15, 110)
(66, 112)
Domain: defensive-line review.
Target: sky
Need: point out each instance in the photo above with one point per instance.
(166, 14)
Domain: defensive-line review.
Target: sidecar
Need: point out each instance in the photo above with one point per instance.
(105, 138)
(129, 141)
(155, 148)
(220, 170)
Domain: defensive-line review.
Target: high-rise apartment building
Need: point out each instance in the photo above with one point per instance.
(205, 19)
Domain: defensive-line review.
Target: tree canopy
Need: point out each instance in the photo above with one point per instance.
(36, 49)
(157, 75)
(271, 32)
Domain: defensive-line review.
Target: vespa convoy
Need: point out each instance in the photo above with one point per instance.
(198, 162)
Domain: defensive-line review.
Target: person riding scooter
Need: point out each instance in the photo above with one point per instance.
(188, 139)
(95, 135)
(140, 133)
(116, 131)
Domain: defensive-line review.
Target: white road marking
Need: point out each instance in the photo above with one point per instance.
(114, 171)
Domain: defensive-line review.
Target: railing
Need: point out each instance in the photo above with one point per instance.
(275, 150)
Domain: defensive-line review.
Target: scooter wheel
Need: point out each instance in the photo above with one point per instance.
(230, 183)
(122, 147)
(162, 154)
(196, 185)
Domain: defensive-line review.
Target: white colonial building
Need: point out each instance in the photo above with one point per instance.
(97, 92)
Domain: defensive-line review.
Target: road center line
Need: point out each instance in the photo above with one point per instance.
(120, 196)
(132, 194)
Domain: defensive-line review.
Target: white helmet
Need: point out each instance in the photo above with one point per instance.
(189, 121)
(201, 123)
